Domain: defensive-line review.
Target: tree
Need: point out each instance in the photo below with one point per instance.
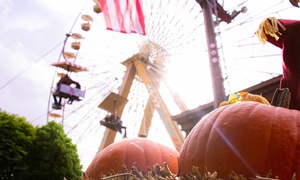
(28, 152)
(15, 138)
(52, 155)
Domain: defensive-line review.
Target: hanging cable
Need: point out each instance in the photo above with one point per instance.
(28, 67)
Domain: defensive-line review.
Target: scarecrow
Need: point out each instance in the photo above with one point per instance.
(285, 34)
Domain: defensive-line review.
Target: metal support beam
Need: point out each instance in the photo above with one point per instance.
(216, 74)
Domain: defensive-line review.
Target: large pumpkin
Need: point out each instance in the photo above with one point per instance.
(146, 153)
(248, 138)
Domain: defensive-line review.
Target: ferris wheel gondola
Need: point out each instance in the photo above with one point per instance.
(112, 103)
(64, 88)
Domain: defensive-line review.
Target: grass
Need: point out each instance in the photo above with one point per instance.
(158, 172)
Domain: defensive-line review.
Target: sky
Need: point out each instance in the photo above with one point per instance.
(32, 35)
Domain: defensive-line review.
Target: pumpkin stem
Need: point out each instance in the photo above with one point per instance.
(281, 98)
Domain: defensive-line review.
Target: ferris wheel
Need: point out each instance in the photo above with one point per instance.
(145, 79)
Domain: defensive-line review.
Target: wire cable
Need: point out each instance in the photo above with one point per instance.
(28, 67)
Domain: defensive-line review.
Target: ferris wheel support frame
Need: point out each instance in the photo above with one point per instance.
(155, 102)
(146, 121)
(165, 115)
(135, 65)
(110, 135)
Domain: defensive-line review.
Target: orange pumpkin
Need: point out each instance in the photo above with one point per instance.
(146, 153)
(248, 138)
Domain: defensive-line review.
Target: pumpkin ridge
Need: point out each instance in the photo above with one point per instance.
(297, 151)
(146, 156)
(269, 142)
(141, 147)
(186, 150)
(162, 159)
(126, 158)
(271, 139)
(254, 110)
(216, 117)
(231, 144)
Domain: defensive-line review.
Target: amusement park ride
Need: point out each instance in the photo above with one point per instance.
(138, 65)
(141, 65)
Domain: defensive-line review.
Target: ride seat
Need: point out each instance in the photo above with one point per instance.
(66, 91)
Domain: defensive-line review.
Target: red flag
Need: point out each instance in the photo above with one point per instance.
(125, 16)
